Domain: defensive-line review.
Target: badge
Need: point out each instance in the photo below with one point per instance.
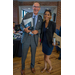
(47, 27)
(38, 20)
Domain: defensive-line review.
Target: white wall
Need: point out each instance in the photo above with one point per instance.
(20, 15)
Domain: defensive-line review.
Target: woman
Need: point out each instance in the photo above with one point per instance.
(47, 31)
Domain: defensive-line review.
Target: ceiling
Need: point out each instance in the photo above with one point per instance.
(37, 0)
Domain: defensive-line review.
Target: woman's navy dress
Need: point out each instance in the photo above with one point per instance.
(45, 48)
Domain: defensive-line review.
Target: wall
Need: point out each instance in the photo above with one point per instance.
(16, 5)
(58, 19)
(15, 12)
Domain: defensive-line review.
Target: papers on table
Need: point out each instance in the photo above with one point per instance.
(21, 32)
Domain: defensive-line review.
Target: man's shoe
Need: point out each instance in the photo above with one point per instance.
(33, 70)
(22, 72)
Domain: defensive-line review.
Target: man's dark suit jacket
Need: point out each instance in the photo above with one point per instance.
(49, 32)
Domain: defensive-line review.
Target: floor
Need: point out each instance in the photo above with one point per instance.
(39, 63)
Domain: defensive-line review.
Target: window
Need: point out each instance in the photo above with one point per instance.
(23, 13)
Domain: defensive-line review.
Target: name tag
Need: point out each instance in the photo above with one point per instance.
(38, 20)
(47, 27)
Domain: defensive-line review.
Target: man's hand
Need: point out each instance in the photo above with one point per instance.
(26, 30)
(35, 31)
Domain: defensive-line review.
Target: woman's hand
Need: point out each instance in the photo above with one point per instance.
(55, 44)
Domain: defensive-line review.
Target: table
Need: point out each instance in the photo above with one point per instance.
(17, 48)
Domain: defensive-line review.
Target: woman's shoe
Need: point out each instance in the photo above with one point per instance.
(43, 70)
(48, 71)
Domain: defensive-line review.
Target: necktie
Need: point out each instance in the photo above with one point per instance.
(34, 22)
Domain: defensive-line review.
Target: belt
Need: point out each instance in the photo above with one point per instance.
(31, 35)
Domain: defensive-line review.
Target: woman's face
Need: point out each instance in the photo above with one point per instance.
(47, 15)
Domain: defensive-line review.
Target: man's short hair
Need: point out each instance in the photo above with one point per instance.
(36, 2)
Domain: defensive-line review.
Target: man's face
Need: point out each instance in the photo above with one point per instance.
(13, 25)
(36, 8)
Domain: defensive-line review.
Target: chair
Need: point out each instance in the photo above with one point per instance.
(57, 32)
(57, 48)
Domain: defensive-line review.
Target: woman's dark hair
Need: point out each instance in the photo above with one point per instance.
(13, 22)
(48, 11)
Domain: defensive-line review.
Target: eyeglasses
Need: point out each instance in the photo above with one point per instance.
(36, 6)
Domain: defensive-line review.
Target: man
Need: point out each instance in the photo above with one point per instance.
(14, 27)
(28, 39)
(13, 37)
(60, 48)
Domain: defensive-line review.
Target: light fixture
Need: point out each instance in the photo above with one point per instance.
(28, 8)
(47, 8)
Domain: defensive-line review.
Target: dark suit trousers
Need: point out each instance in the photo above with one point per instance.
(25, 46)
